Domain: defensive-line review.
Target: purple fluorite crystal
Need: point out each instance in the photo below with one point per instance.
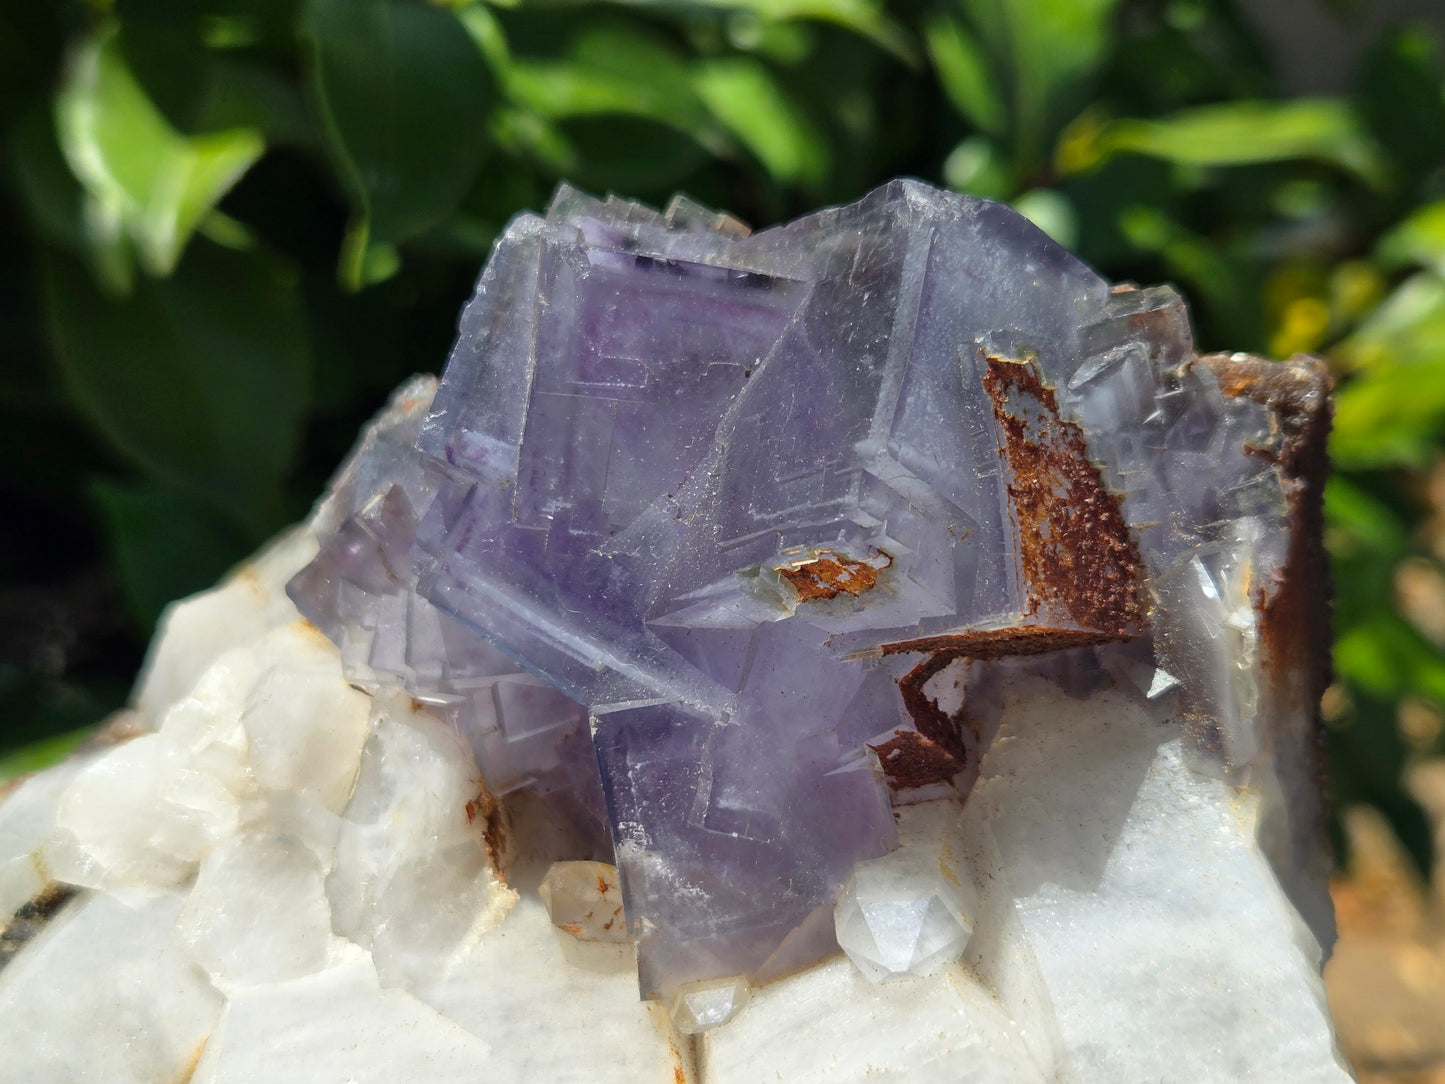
(695, 518)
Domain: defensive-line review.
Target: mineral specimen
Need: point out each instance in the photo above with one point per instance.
(883, 582)
(712, 517)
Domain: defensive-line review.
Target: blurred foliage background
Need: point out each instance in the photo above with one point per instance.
(231, 226)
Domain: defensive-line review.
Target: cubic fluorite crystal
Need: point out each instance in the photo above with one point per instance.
(718, 543)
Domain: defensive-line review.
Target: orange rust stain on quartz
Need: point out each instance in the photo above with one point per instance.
(494, 826)
(829, 574)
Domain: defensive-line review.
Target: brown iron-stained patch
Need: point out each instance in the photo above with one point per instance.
(494, 826)
(909, 760)
(989, 644)
(827, 575)
(931, 720)
(1075, 550)
(934, 752)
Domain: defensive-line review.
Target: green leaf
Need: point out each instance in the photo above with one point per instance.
(42, 754)
(1400, 92)
(867, 18)
(618, 153)
(405, 96)
(745, 97)
(1405, 330)
(1207, 269)
(1391, 412)
(201, 380)
(1387, 657)
(165, 544)
(1420, 239)
(240, 94)
(1370, 653)
(620, 109)
(1044, 51)
(967, 77)
(1392, 417)
(52, 196)
(143, 177)
(1240, 133)
(615, 69)
(1367, 524)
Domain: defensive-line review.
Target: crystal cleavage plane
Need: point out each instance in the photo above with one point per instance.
(717, 541)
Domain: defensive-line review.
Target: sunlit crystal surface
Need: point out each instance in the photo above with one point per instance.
(696, 522)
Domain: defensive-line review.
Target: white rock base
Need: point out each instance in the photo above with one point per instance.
(284, 880)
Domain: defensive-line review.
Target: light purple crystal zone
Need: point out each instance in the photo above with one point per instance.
(745, 496)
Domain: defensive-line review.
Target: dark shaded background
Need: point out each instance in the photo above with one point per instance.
(231, 226)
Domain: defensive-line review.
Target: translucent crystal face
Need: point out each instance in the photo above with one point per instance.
(699, 1006)
(910, 912)
(698, 523)
(584, 899)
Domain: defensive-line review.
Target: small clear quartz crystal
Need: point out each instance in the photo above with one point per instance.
(698, 1006)
(910, 912)
(584, 899)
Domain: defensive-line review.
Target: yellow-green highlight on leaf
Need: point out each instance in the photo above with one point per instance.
(145, 180)
(1406, 329)
(745, 97)
(362, 262)
(1233, 134)
(482, 27)
(1391, 411)
(42, 754)
(1420, 239)
(1391, 418)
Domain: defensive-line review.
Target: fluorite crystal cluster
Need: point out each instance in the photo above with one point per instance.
(885, 581)
(719, 543)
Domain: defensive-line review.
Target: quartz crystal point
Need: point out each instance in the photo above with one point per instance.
(910, 912)
(718, 542)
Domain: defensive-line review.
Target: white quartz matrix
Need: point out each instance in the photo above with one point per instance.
(283, 879)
